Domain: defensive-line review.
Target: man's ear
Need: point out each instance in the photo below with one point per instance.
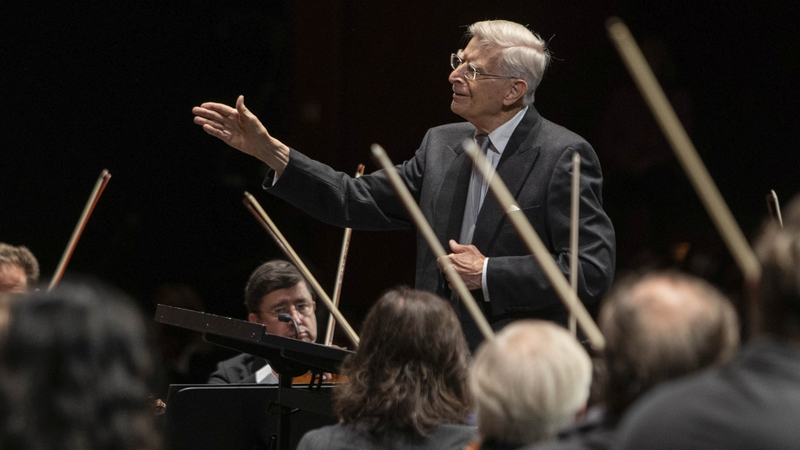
(517, 90)
(252, 317)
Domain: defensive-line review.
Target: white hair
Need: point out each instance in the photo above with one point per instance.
(523, 53)
(532, 379)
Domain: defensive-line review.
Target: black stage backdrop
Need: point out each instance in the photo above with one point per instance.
(93, 85)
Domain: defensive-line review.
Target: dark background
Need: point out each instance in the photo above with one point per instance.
(111, 85)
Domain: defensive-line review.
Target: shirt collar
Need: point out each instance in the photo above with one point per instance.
(502, 134)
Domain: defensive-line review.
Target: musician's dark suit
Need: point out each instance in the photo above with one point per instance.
(752, 403)
(536, 166)
(239, 369)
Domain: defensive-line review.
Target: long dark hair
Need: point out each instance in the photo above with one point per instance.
(74, 373)
(410, 370)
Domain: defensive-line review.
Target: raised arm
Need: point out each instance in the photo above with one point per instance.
(242, 130)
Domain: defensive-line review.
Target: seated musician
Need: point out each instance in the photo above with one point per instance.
(19, 270)
(75, 371)
(19, 273)
(532, 379)
(407, 382)
(275, 287)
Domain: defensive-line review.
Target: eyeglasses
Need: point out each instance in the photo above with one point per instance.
(303, 308)
(471, 71)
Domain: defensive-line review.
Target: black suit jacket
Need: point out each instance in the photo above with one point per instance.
(239, 369)
(752, 403)
(536, 165)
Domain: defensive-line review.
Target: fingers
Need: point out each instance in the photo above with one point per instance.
(216, 132)
(455, 247)
(218, 108)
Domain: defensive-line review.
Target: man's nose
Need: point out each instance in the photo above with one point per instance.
(456, 75)
(296, 316)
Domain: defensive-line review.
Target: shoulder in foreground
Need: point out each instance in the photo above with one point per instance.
(332, 437)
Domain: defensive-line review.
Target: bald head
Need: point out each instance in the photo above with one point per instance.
(662, 326)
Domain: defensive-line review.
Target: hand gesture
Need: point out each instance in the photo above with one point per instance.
(242, 130)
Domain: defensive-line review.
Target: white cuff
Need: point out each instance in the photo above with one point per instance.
(484, 285)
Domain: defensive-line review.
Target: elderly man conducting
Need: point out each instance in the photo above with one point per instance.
(494, 80)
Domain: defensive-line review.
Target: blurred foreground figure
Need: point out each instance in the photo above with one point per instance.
(407, 384)
(754, 401)
(658, 327)
(531, 380)
(73, 374)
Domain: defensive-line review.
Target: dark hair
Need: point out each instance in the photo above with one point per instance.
(21, 256)
(269, 277)
(409, 372)
(778, 292)
(660, 326)
(74, 373)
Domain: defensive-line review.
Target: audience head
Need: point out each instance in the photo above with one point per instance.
(74, 373)
(662, 326)
(523, 54)
(19, 269)
(528, 382)
(409, 372)
(277, 287)
(777, 304)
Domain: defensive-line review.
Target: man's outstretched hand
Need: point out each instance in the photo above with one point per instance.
(242, 130)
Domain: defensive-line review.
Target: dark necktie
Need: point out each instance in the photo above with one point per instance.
(473, 206)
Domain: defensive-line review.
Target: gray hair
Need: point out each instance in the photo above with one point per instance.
(532, 379)
(523, 53)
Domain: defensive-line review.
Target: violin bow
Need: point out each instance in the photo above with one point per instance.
(684, 149)
(535, 245)
(774, 214)
(433, 242)
(261, 216)
(575, 210)
(99, 186)
(337, 287)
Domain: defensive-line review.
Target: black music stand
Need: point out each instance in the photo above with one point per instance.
(232, 417)
(289, 357)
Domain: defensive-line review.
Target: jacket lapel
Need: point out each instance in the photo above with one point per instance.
(513, 168)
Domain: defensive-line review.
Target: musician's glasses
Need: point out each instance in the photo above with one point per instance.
(303, 308)
(471, 71)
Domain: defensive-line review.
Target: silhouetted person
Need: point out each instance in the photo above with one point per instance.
(74, 373)
(753, 402)
(658, 327)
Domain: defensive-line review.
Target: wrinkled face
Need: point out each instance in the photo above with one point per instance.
(295, 301)
(13, 279)
(480, 99)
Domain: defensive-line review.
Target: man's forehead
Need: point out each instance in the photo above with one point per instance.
(478, 54)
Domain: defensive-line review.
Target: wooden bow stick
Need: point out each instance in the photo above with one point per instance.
(337, 287)
(433, 242)
(687, 155)
(99, 186)
(252, 204)
(536, 247)
(575, 210)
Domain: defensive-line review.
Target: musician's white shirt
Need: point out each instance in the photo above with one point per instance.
(265, 375)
